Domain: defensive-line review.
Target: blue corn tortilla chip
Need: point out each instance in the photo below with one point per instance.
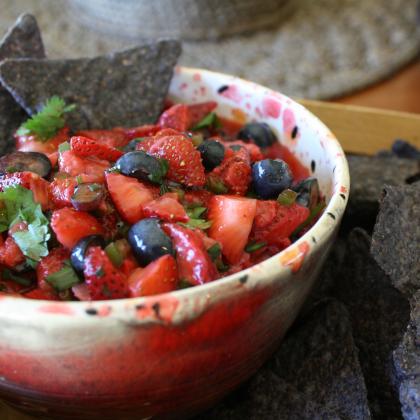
(126, 88)
(22, 40)
(396, 237)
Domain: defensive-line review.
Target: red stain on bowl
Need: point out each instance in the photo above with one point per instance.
(57, 308)
(162, 309)
(233, 93)
(271, 107)
(289, 122)
(294, 256)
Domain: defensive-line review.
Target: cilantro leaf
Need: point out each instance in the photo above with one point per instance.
(63, 279)
(19, 206)
(47, 122)
(255, 246)
(210, 120)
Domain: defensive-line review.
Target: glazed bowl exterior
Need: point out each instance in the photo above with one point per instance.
(177, 353)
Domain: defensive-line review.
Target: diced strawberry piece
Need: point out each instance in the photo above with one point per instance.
(199, 197)
(70, 226)
(10, 253)
(166, 208)
(39, 186)
(53, 157)
(30, 143)
(198, 111)
(176, 117)
(279, 228)
(232, 219)
(41, 295)
(86, 147)
(194, 263)
(50, 264)
(141, 131)
(160, 276)
(254, 151)
(109, 222)
(103, 280)
(74, 165)
(184, 159)
(266, 213)
(243, 263)
(129, 265)
(112, 138)
(168, 132)
(235, 172)
(61, 191)
(81, 291)
(128, 195)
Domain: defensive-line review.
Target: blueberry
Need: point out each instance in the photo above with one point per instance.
(142, 166)
(148, 241)
(308, 192)
(77, 257)
(271, 177)
(260, 133)
(212, 153)
(26, 161)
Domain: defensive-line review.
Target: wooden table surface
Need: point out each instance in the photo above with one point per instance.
(399, 93)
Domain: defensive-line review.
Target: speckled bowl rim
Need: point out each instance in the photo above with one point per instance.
(322, 230)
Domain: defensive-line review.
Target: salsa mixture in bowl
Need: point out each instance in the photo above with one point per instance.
(128, 212)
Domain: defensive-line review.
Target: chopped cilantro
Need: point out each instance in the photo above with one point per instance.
(114, 254)
(216, 186)
(19, 206)
(313, 215)
(47, 122)
(210, 120)
(214, 251)
(63, 279)
(197, 223)
(63, 147)
(255, 246)
(195, 212)
(158, 176)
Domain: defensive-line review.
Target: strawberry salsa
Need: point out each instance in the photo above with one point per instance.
(125, 212)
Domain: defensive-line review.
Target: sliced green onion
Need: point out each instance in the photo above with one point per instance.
(195, 212)
(197, 223)
(63, 279)
(114, 254)
(197, 139)
(255, 246)
(314, 213)
(63, 147)
(8, 275)
(287, 197)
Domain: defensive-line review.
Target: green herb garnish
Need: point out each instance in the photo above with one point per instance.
(19, 206)
(314, 213)
(158, 176)
(214, 251)
(63, 147)
(47, 122)
(63, 279)
(197, 223)
(8, 275)
(215, 185)
(255, 246)
(287, 197)
(210, 120)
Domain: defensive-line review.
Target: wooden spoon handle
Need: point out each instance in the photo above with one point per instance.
(366, 130)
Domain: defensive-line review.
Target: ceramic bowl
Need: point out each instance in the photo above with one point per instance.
(175, 354)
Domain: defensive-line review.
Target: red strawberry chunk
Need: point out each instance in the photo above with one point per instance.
(160, 276)
(199, 197)
(235, 172)
(275, 230)
(70, 226)
(103, 280)
(10, 253)
(30, 143)
(41, 295)
(232, 219)
(168, 132)
(61, 191)
(86, 147)
(50, 264)
(141, 131)
(184, 160)
(176, 117)
(112, 138)
(254, 151)
(129, 196)
(194, 263)
(166, 208)
(198, 111)
(75, 165)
